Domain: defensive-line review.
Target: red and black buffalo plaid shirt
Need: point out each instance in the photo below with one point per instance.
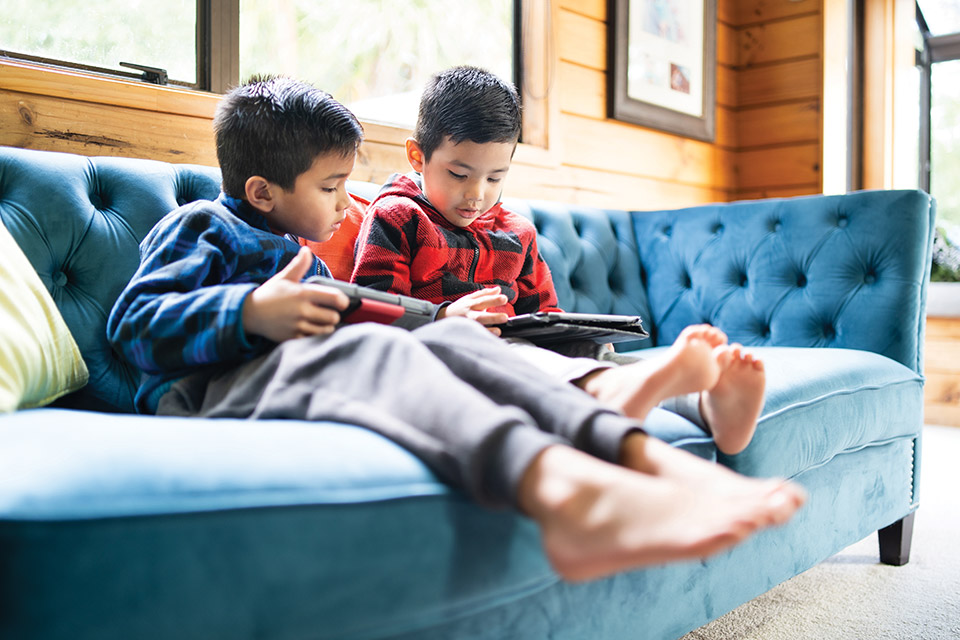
(407, 247)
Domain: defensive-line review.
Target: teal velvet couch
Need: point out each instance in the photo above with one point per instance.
(122, 526)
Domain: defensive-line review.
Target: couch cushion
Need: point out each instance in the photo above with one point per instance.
(821, 403)
(168, 502)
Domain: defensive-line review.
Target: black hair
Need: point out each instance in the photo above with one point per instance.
(276, 127)
(467, 103)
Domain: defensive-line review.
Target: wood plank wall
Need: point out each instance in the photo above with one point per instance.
(768, 117)
(770, 56)
(941, 392)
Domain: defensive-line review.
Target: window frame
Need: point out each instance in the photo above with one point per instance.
(218, 31)
(942, 48)
(218, 49)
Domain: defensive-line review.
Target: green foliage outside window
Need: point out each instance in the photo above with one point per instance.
(105, 33)
(374, 55)
(946, 255)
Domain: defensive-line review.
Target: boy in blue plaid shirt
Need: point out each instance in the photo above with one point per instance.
(220, 319)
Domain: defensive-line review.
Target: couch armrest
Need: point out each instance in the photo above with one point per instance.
(817, 271)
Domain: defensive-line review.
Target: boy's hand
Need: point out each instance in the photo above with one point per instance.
(474, 306)
(283, 307)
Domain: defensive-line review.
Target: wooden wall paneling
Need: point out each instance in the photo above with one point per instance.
(890, 104)
(779, 124)
(782, 40)
(726, 123)
(726, 11)
(602, 189)
(45, 81)
(779, 167)
(727, 45)
(747, 12)
(946, 329)
(582, 40)
(376, 161)
(626, 149)
(793, 80)
(582, 90)
(727, 79)
(942, 355)
(56, 124)
(941, 391)
(538, 66)
(596, 9)
(777, 109)
(777, 192)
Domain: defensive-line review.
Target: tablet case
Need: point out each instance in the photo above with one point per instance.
(542, 327)
(371, 305)
(554, 327)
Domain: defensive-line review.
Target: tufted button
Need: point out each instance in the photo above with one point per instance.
(96, 200)
(59, 279)
(718, 229)
(801, 280)
(685, 281)
(842, 221)
(870, 277)
(743, 279)
(765, 331)
(775, 225)
(829, 332)
(667, 230)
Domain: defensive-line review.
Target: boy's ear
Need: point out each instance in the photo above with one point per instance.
(259, 193)
(415, 155)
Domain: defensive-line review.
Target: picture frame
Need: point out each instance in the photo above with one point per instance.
(662, 70)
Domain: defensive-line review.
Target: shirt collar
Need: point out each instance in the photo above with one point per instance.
(245, 212)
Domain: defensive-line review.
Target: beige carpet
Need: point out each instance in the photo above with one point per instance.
(853, 596)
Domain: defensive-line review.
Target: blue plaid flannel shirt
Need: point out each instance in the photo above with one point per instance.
(182, 310)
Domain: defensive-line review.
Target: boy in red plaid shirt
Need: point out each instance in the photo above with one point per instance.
(440, 234)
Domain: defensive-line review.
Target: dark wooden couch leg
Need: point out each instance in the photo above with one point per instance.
(895, 541)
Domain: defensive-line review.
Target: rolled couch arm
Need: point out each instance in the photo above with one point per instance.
(844, 271)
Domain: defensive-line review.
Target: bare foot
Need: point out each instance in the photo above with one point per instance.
(688, 366)
(657, 458)
(597, 519)
(732, 406)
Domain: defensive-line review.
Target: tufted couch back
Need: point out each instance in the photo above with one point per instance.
(811, 271)
(80, 221)
(776, 272)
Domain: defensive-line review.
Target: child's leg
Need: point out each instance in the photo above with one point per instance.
(498, 371)
(689, 366)
(731, 408)
(383, 379)
(598, 519)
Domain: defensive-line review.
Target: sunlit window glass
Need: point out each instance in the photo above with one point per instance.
(945, 141)
(374, 55)
(942, 16)
(105, 33)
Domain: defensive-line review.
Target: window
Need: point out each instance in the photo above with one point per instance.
(940, 105)
(100, 35)
(372, 55)
(945, 145)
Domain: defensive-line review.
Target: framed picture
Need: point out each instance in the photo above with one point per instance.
(662, 65)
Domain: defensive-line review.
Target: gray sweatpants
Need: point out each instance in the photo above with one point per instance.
(449, 392)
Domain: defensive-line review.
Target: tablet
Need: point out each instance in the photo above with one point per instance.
(554, 327)
(372, 305)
